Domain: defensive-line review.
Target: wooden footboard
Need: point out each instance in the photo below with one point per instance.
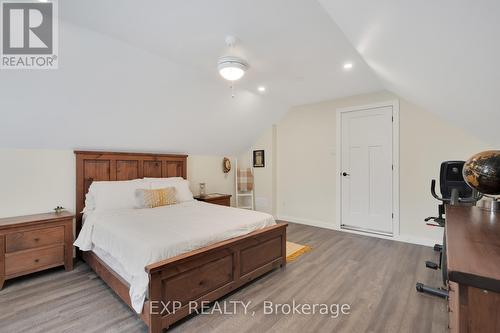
(211, 272)
(180, 284)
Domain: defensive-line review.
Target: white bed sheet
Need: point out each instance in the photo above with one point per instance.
(112, 263)
(136, 238)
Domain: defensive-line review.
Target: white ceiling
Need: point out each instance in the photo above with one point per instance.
(293, 47)
(142, 75)
(442, 55)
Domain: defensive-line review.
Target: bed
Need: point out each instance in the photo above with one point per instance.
(202, 264)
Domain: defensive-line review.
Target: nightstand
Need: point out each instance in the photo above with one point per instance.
(215, 198)
(34, 243)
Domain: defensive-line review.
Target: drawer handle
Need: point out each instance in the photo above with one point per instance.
(37, 260)
(37, 239)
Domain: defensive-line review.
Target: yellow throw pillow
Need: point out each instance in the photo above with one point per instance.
(159, 197)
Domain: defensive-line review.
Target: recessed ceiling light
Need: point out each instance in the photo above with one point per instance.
(348, 65)
(261, 89)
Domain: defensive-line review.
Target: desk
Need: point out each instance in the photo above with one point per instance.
(473, 256)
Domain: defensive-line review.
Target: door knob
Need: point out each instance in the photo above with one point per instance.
(345, 174)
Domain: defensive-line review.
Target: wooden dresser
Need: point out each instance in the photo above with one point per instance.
(473, 254)
(35, 242)
(215, 198)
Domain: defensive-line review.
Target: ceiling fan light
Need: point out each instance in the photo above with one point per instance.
(232, 68)
(231, 73)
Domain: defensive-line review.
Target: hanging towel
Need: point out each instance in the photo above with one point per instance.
(245, 180)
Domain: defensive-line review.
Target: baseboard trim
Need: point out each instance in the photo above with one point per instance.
(419, 241)
(314, 223)
(330, 225)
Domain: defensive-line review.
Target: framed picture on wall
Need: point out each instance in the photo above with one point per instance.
(258, 159)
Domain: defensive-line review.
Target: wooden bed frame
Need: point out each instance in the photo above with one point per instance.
(202, 275)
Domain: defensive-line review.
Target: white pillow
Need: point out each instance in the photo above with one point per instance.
(182, 191)
(89, 203)
(169, 180)
(109, 195)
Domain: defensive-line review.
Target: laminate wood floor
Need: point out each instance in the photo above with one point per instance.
(375, 277)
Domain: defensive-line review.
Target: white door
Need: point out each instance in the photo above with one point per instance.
(367, 170)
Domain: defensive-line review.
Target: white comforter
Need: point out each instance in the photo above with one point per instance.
(139, 237)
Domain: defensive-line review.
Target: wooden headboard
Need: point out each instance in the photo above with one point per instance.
(97, 165)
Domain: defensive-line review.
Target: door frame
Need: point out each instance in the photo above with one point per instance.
(395, 161)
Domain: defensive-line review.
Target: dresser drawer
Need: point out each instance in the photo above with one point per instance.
(30, 239)
(33, 260)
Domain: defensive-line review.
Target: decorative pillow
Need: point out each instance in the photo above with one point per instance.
(182, 194)
(157, 197)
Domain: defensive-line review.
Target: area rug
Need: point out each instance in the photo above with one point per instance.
(294, 250)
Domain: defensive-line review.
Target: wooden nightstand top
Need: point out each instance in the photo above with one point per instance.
(212, 196)
(26, 220)
(216, 199)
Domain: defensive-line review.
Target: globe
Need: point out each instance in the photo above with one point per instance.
(482, 172)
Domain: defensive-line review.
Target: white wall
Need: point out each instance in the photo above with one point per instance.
(208, 170)
(36, 180)
(306, 163)
(264, 178)
(298, 182)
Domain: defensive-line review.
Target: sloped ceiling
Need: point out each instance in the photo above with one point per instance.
(141, 75)
(443, 55)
